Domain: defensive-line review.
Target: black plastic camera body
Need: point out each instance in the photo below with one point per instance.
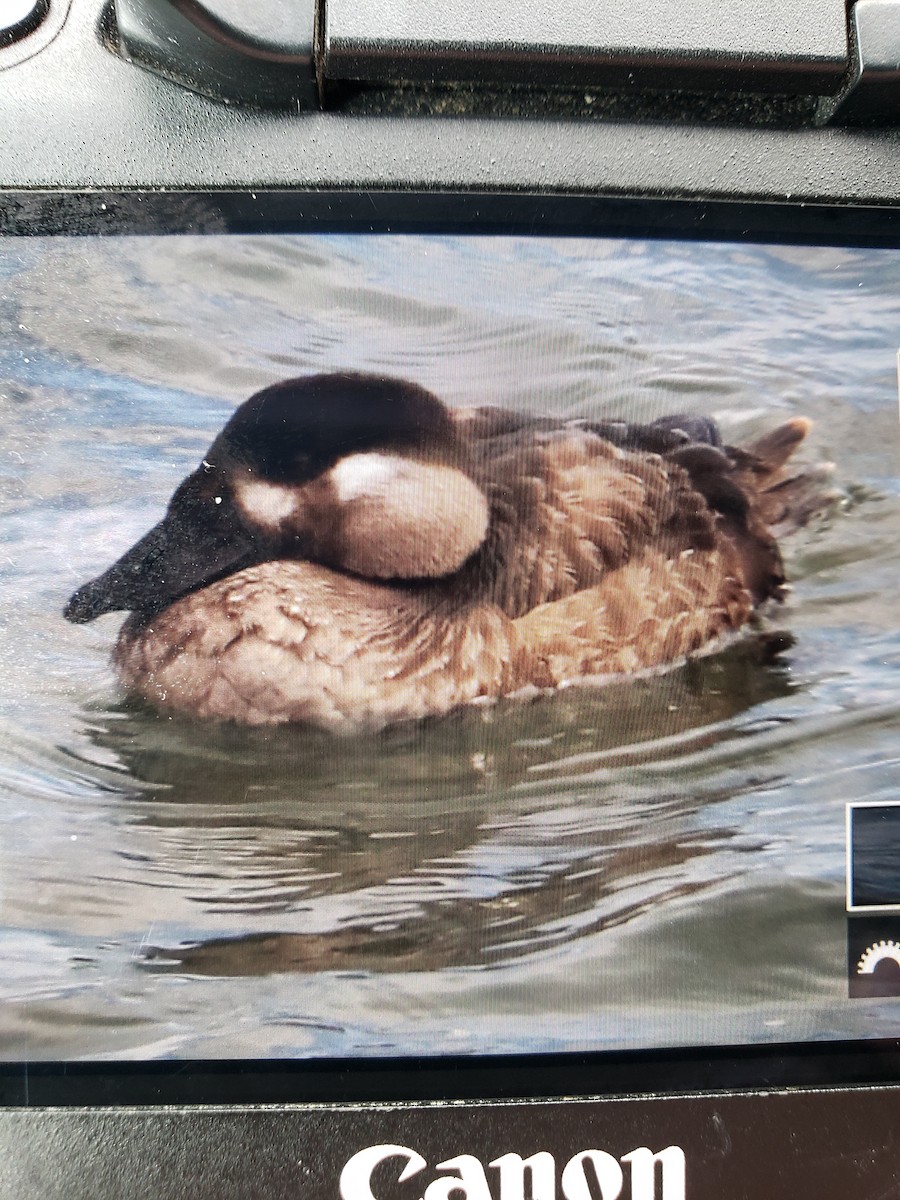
(220, 114)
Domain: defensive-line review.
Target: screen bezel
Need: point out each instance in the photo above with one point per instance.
(601, 1073)
(40, 212)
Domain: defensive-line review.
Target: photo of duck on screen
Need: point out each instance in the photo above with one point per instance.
(436, 644)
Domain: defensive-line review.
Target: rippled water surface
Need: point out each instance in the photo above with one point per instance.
(654, 862)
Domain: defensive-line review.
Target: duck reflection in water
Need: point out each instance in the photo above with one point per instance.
(465, 842)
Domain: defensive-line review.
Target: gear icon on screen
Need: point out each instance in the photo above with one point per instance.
(877, 953)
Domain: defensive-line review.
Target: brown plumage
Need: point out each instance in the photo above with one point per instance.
(465, 556)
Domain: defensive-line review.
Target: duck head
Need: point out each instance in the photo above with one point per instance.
(362, 473)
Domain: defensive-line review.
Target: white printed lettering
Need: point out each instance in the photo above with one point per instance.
(469, 1184)
(643, 1173)
(586, 1176)
(541, 1168)
(609, 1176)
(356, 1177)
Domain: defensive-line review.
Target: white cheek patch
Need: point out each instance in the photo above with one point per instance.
(367, 474)
(404, 519)
(267, 505)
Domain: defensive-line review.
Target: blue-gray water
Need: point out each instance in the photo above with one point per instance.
(652, 863)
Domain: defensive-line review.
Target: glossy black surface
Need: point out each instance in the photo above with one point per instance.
(500, 1078)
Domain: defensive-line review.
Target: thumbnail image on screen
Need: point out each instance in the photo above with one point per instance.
(426, 645)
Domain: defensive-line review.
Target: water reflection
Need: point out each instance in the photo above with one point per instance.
(461, 842)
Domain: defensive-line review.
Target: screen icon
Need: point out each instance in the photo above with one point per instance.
(873, 898)
(873, 857)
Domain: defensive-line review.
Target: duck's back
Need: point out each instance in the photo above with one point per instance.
(570, 506)
(621, 547)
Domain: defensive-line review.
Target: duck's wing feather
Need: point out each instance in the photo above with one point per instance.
(574, 502)
(571, 506)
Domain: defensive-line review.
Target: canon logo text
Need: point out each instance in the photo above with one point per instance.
(588, 1175)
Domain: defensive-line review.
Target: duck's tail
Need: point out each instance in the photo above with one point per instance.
(758, 494)
(789, 495)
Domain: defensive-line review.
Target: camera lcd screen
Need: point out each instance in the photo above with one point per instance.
(506, 625)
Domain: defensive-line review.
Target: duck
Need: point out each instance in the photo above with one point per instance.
(352, 553)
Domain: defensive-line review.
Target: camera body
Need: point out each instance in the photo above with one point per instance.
(82, 116)
(176, 117)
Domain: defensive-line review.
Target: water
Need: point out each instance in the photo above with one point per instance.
(652, 863)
